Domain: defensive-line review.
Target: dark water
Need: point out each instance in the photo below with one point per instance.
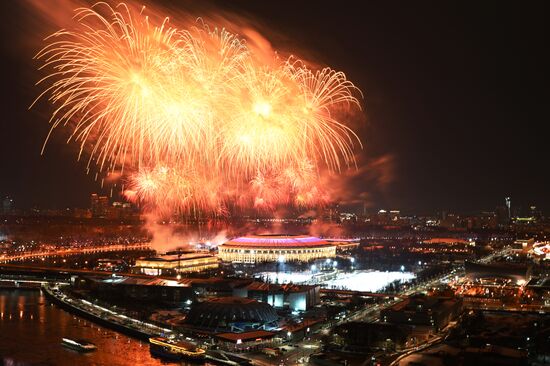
(31, 330)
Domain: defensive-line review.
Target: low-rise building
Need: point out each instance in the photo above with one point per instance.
(110, 265)
(251, 340)
(173, 264)
(363, 336)
(294, 297)
(135, 288)
(430, 311)
(521, 273)
(231, 314)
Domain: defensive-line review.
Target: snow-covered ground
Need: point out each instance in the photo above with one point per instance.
(357, 280)
(368, 281)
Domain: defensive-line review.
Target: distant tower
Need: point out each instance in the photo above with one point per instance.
(99, 205)
(7, 205)
(103, 205)
(509, 207)
(94, 204)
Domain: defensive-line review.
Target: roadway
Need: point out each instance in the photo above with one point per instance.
(422, 347)
(299, 353)
(371, 313)
(112, 316)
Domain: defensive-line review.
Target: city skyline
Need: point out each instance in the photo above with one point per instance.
(9, 206)
(258, 183)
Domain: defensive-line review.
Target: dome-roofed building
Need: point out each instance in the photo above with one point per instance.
(271, 248)
(231, 313)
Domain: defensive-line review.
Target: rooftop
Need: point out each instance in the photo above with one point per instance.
(424, 303)
(289, 287)
(246, 336)
(175, 258)
(137, 281)
(277, 241)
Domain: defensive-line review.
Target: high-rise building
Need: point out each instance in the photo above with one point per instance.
(331, 213)
(94, 204)
(501, 213)
(7, 205)
(509, 207)
(535, 213)
(103, 205)
(99, 205)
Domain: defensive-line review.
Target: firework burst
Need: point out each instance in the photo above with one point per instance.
(191, 116)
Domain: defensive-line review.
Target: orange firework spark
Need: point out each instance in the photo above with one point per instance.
(192, 115)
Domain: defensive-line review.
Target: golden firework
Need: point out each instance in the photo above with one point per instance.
(194, 118)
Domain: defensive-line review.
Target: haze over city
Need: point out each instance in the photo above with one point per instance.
(273, 183)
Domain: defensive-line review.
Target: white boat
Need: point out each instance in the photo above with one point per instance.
(80, 345)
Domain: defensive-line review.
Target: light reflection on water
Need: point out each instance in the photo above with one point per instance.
(31, 330)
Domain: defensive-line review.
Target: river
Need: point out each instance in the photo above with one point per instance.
(31, 330)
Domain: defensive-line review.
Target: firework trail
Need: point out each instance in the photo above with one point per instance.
(192, 117)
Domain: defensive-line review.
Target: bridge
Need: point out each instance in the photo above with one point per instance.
(29, 273)
(73, 251)
(9, 283)
(58, 272)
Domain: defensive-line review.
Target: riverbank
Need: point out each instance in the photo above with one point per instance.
(32, 329)
(103, 316)
(19, 285)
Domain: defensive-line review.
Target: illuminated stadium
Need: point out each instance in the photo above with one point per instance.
(271, 248)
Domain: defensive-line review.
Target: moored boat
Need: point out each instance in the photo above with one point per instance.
(80, 345)
(176, 350)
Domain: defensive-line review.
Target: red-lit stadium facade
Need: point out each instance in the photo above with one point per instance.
(271, 248)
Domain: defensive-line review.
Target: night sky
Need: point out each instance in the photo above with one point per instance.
(452, 100)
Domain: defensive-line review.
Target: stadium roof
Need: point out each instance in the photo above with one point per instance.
(284, 241)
